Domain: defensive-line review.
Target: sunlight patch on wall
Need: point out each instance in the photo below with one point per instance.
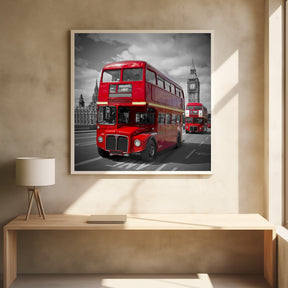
(225, 123)
(276, 34)
(85, 204)
(275, 117)
(203, 281)
(225, 82)
(103, 196)
(96, 199)
(148, 195)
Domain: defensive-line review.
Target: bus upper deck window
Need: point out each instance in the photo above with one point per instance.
(172, 89)
(150, 77)
(167, 86)
(160, 82)
(111, 76)
(133, 74)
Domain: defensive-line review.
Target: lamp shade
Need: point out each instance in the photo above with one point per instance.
(34, 171)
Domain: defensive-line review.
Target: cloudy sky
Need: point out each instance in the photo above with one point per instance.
(171, 53)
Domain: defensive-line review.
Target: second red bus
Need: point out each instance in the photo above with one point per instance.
(196, 118)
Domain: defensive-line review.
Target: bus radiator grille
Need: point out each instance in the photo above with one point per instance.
(193, 129)
(111, 142)
(122, 144)
(117, 144)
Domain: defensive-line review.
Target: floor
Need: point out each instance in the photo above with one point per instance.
(140, 281)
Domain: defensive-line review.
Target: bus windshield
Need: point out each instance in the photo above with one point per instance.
(143, 117)
(111, 75)
(123, 115)
(193, 120)
(198, 121)
(107, 115)
(133, 74)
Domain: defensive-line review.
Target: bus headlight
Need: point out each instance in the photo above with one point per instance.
(100, 139)
(137, 143)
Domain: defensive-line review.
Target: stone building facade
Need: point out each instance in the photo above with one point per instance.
(85, 117)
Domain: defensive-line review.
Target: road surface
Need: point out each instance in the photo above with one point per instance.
(193, 155)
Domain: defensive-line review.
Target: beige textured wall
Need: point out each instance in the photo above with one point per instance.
(35, 106)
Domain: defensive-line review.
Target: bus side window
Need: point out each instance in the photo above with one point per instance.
(174, 118)
(151, 118)
(161, 118)
(172, 89)
(167, 86)
(168, 118)
(160, 82)
(150, 77)
(151, 115)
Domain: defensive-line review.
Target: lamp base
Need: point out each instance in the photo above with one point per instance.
(35, 194)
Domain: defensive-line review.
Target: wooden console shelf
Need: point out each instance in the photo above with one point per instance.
(163, 222)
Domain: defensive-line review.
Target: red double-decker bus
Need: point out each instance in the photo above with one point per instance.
(196, 117)
(139, 110)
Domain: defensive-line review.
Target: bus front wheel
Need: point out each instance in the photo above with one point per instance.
(103, 153)
(150, 152)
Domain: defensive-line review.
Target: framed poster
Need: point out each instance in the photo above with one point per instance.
(141, 102)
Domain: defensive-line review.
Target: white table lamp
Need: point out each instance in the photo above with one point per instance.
(32, 172)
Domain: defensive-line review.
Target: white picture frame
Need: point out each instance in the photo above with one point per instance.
(119, 45)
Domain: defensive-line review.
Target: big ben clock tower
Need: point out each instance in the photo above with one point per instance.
(193, 86)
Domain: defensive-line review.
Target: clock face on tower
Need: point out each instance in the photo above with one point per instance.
(192, 86)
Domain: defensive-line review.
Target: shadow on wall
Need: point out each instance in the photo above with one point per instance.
(237, 101)
(10, 205)
(127, 203)
(92, 189)
(228, 88)
(230, 66)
